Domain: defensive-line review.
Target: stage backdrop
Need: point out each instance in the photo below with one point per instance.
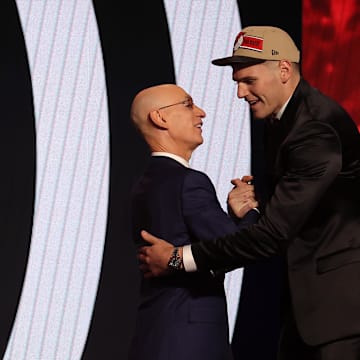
(69, 70)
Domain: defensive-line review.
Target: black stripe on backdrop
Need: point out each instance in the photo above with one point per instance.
(264, 293)
(137, 53)
(17, 159)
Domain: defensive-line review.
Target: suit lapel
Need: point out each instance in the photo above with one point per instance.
(277, 132)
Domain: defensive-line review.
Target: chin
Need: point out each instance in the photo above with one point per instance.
(197, 144)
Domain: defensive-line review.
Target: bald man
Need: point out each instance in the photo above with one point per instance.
(182, 316)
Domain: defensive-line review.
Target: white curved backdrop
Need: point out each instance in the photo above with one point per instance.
(72, 142)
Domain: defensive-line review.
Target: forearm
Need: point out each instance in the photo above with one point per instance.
(232, 251)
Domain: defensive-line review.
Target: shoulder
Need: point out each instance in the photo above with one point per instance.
(198, 177)
(317, 112)
(166, 169)
(198, 184)
(322, 106)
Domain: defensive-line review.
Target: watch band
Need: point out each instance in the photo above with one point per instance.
(175, 261)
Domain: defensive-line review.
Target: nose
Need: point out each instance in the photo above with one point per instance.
(242, 90)
(202, 113)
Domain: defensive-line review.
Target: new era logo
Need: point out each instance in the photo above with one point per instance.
(274, 52)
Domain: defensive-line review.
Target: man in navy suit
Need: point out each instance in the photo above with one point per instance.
(184, 316)
(313, 216)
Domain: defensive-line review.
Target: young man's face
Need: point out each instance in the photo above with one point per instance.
(261, 86)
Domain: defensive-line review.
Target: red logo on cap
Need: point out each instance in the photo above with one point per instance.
(248, 42)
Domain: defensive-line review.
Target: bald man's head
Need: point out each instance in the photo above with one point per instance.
(168, 119)
(151, 99)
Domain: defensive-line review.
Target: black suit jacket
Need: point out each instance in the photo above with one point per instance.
(184, 316)
(313, 217)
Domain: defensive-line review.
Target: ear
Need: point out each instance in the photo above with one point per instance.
(157, 119)
(285, 70)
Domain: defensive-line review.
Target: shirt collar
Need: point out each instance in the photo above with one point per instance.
(281, 111)
(177, 158)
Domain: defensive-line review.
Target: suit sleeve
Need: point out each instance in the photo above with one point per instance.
(312, 161)
(203, 213)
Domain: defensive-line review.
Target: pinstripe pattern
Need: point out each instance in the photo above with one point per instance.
(71, 180)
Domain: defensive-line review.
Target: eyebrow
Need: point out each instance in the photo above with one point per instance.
(245, 78)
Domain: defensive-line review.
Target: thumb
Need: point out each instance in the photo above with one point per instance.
(149, 238)
(236, 181)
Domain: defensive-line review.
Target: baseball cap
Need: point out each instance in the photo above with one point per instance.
(256, 44)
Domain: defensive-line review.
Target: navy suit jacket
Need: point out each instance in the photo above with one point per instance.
(313, 217)
(182, 316)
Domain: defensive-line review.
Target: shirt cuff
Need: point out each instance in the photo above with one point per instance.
(188, 259)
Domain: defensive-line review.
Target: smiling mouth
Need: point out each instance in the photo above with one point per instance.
(252, 102)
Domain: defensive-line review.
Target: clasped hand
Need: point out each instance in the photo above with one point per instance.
(241, 198)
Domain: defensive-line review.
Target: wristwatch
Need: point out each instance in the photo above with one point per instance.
(175, 262)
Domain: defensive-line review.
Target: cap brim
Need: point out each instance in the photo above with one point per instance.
(237, 60)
